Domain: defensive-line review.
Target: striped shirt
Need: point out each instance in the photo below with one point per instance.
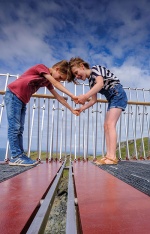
(109, 78)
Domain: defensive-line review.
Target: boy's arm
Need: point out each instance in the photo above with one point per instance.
(89, 104)
(94, 90)
(59, 86)
(63, 102)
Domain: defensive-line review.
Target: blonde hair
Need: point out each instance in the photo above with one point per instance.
(77, 61)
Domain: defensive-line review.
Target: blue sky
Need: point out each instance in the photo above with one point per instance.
(112, 33)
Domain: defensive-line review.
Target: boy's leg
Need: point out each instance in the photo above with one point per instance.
(22, 122)
(13, 107)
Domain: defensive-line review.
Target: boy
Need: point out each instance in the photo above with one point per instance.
(101, 81)
(18, 95)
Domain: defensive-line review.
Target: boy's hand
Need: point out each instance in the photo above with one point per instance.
(76, 112)
(75, 99)
(80, 109)
(82, 99)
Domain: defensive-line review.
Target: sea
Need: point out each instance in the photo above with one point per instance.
(2, 154)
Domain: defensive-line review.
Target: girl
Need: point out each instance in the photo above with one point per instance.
(105, 82)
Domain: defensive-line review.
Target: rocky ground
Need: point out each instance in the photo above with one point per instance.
(57, 220)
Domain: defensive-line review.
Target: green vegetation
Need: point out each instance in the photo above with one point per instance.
(139, 146)
(123, 148)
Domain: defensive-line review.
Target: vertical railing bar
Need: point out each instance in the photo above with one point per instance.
(29, 125)
(104, 140)
(134, 135)
(96, 128)
(71, 135)
(60, 157)
(66, 132)
(38, 130)
(52, 129)
(7, 148)
(128, 120)
(131, 112)
(79, 135)
(3, 103)
(42, 125)
(48, 127)
(41, 131)
(148, 126)
(119, 138)
(143, 117)
(93, 134)
(32, 123)
(136, 116)
(84, 146)
(141, 130)
(75, 129)
(57, 129)
(101, 126)
(127, 149)
(87, 134)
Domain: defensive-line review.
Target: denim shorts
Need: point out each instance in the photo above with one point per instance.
(116, 97)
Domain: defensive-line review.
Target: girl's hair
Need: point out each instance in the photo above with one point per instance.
(75, 62)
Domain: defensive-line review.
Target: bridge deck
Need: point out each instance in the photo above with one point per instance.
(20, 196)
(107, 204)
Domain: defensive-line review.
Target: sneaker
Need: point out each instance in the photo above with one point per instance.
(22, 160)
(27, 158)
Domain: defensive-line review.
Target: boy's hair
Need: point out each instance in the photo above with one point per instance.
(76, 62)
(63, 66)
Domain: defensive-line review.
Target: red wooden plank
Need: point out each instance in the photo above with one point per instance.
(108, 205)
(20, 196)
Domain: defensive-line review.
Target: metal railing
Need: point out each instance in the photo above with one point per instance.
(52, 129)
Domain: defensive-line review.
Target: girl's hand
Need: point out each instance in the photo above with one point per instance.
(82, 99)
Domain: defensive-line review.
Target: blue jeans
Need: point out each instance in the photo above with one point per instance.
(16, 111)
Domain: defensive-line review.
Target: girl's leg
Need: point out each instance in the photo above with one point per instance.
(111, 119)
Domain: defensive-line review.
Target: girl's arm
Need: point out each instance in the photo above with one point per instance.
(89, 104)
(59, 86)
(63, 102)
(94, 90)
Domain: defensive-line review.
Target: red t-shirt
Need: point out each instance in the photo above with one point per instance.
(29, 82)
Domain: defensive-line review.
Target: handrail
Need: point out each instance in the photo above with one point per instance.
(129, 102)
(39, 95)
(66, 98)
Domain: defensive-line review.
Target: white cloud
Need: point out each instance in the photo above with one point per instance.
(111, 33)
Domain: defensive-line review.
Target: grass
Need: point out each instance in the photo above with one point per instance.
(123, 145)
(139, 146)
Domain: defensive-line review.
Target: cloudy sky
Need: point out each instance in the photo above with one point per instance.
(112, 33)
